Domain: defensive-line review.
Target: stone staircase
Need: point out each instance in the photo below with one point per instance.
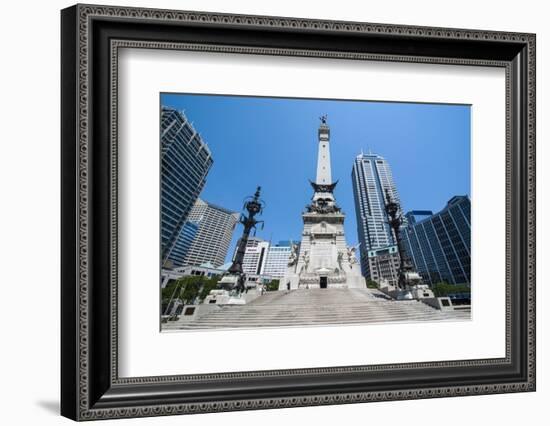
(317, 307)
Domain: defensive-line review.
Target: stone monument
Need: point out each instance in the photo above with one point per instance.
(323, 259)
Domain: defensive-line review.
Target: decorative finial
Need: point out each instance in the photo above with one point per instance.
(323, 119)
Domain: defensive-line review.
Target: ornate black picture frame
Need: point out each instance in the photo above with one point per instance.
(91, 36)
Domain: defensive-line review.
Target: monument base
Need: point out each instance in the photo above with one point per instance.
(313, 280)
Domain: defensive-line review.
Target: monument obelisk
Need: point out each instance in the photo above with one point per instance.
(323, 258)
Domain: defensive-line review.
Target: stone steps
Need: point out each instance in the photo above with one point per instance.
(317, 307)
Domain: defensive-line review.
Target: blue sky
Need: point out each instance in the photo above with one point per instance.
(272, 142)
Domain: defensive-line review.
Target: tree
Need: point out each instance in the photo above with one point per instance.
(208, 284)
(443, 289)
(272, 286)
(372, 284)
(188, 288)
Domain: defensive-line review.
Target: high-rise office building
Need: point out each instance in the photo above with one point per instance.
(255, 255)
(176, 255)
(372, 180)
(215, 230)
(277, 259)
(439, 244)
(185, 162)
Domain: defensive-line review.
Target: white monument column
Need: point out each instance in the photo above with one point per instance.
(324, 176)
(324, 259)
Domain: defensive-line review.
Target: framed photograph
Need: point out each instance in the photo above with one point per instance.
(263, 212)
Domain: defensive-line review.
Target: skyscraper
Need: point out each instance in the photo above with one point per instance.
(176, 255)
(215, 230)
(277, 259)
(255, 255)
(185, 162)
(371, 179)
(439, 244)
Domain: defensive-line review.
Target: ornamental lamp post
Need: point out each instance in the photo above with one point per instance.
(395, 220)
(253, 206)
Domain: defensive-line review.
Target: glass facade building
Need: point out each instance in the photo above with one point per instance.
(185, 162)
(371, 179)
(277, 259)
(176, 255)
(439, 244)
(215, 230)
